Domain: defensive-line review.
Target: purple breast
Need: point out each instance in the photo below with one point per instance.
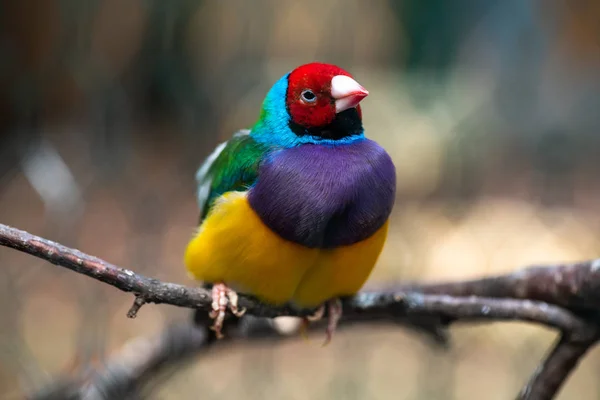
(325, 197)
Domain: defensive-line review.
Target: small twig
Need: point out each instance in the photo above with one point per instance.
(138, 302)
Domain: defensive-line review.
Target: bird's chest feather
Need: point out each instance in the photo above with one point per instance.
(325, 196)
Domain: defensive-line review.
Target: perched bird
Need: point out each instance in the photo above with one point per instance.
(294, 210)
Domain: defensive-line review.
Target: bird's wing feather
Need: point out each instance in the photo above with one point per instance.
(204, 174)
(232, 166)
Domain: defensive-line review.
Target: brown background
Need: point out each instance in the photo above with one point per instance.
(107, 107)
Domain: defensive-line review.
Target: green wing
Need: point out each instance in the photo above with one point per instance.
(232, 166)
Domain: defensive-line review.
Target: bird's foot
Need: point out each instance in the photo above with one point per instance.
(223, 297)
(318, 315)
(334, 313)
(334, 316)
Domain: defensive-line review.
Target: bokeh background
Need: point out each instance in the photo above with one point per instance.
(490, 110)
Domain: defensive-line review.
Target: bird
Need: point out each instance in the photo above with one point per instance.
(295, 210)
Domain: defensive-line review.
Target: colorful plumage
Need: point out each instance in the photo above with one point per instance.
(294, 210)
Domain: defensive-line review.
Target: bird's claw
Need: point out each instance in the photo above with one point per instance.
(233, 304)
(335, 314)
(223, 297)
(317, 315)
(334, 308)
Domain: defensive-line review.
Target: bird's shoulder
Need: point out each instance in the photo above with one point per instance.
(232, 166)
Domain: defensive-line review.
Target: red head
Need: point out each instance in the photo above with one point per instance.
(318, 92)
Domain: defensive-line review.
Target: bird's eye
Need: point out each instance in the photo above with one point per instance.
(308, 96)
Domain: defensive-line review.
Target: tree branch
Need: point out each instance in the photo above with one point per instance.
(564, 297)
(574, 286)
(552, 373)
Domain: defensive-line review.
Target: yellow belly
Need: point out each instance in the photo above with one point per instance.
(233, 246)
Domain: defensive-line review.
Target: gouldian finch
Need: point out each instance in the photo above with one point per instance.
(294, 210)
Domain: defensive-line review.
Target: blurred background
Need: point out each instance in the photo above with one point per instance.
(490, 110)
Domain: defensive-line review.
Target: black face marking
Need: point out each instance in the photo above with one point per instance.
(347, 123)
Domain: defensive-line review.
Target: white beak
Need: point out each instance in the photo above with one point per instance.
(346, 92)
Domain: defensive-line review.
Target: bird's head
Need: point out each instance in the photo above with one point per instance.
(317, 93)
(315, 103)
